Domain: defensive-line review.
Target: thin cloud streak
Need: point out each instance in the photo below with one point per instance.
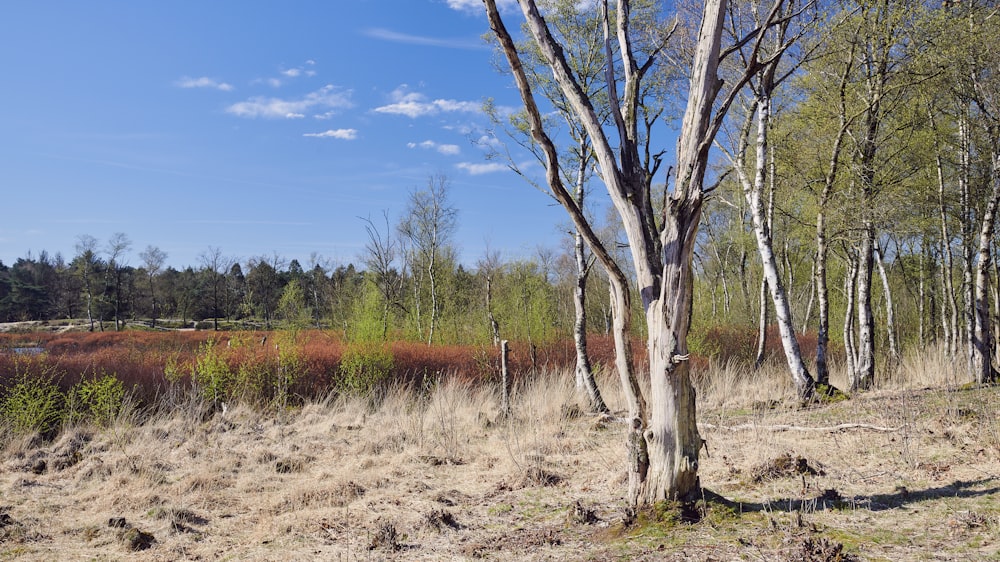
(479, 169)
(345, 134)
(397, 37)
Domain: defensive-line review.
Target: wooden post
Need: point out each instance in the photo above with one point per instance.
(505, 409)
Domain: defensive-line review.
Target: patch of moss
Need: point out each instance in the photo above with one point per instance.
(828, 394)
(500, 509)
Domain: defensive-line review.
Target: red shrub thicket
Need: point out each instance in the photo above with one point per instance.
(141, 359)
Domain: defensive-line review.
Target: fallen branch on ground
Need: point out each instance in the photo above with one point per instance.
(830, 428)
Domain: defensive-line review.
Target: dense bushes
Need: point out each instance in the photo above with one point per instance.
(88, 376)
(34, 402)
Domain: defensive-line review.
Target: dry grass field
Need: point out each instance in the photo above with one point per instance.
(910, 471)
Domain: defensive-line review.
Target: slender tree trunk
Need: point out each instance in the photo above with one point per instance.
(820, 271)
(921, 302)
(996, 308)
(865, 365)
(983, 337)
(585, 383)
(950, 317)
(812, 299)
(90, 300)
(823, 296)
(850, 346)
(968, 286)
(890, 314)
(431, 274)
(505, 381)
(762, 325)
(752, 191)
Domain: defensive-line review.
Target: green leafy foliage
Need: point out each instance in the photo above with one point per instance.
(212, 374)
(100, 399)
(33, 402)
(364, 367)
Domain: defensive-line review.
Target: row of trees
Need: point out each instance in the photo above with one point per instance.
(409, 284)
(858, 160)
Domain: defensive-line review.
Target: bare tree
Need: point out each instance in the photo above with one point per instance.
(380, 259)
(664, 447)
(85, 264)
(153, 259)
(215, 264)
(116, 248)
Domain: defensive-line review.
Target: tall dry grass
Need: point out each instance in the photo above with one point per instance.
(437, 464)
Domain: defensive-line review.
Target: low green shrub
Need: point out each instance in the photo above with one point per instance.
(99, 399)
(212, 375)
(33, 402)
(364, 366)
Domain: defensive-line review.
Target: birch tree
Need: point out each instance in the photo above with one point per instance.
(753, 179)
(579, 31)
(428, 226)
(153, 259)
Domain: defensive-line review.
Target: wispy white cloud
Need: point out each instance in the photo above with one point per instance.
(286, 74)
(478, 169)
(477, 5)
(413, 105)
(344, 134)
(449, 43)
(327, 98)
(446, 149)
(489, 142)
(203, 82)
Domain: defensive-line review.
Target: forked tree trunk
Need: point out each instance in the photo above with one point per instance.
(664, 457)
(672, 438)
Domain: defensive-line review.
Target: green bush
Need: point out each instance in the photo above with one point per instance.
(33, 402)
(100, 399)
(364, 366)
(291, 366)
(212, 375)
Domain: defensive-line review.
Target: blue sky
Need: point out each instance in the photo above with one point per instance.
(254, 127)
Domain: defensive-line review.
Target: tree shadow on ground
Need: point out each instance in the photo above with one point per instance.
(831, 499)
